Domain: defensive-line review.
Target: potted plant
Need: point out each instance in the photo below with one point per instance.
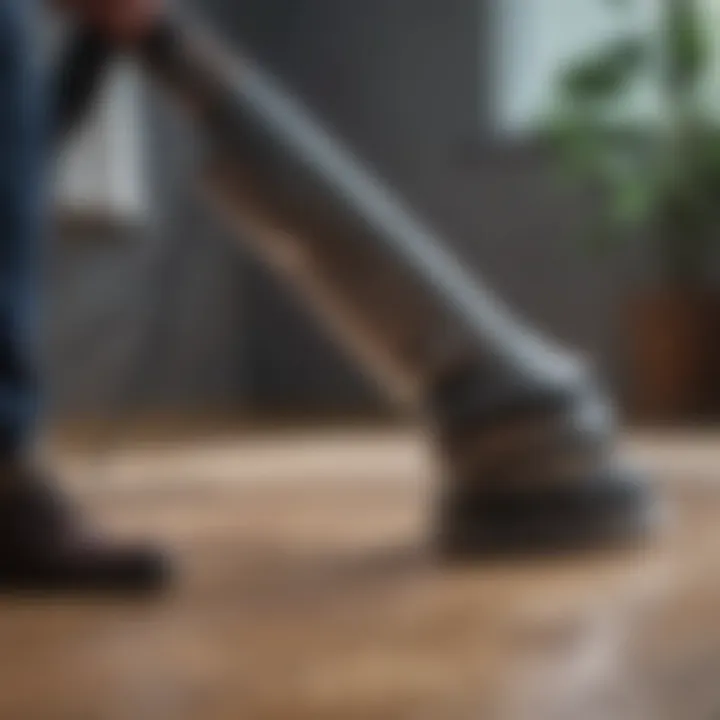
(657, 177)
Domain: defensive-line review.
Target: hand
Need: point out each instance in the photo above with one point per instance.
(122, 21)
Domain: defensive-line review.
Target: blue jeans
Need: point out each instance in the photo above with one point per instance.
(22, 151)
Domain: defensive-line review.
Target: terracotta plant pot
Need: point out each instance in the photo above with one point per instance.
(671, 353)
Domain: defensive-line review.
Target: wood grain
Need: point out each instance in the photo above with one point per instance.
(307, 592)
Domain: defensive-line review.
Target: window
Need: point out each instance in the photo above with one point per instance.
(536, 37)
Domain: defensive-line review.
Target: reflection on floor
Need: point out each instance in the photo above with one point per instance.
(307, 592)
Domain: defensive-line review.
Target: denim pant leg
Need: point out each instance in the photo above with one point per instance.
(22, 147)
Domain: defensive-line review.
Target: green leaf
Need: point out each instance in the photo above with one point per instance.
(687, 45)
(633, 204)
(601, 239)
(604, 74)
(658, 177)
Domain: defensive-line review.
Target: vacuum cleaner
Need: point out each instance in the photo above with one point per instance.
(523, 433)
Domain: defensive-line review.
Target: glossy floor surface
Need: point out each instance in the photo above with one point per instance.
(306, 591)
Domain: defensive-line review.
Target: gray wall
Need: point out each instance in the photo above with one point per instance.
(404, 82)
(149, 320)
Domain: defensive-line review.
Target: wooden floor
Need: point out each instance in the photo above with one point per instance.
(306, 592)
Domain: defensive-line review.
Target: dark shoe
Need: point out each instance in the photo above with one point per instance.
(45, 547)
(610, 510)
(534, 473)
